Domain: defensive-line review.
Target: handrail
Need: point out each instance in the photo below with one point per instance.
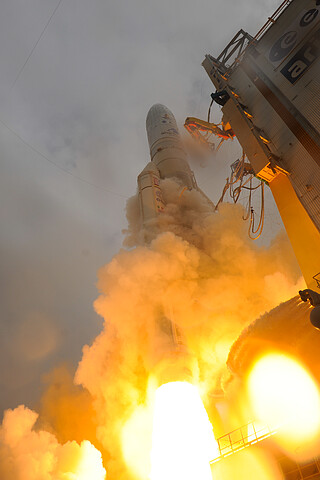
(272, 19)
(240, 438)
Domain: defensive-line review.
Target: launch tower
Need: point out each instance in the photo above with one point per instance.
(269, 90)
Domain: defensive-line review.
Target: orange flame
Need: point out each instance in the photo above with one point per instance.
(285, 396)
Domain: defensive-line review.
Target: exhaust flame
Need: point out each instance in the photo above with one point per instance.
(246, 465)
(182, 441)
(285, 396)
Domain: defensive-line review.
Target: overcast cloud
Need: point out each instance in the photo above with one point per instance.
(81, 101)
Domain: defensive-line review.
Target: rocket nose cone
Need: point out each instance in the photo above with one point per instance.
(158, 110)
(160, 122)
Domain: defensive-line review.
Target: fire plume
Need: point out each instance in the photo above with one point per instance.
(285, 396)
(182, 441)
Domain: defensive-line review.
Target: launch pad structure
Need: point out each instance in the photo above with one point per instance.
(269, 89)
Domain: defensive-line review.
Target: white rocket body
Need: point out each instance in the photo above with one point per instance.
(168, 159)
(150, 195)
(166, 148)
(171, 357)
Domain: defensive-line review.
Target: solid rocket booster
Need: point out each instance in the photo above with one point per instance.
(150, 195)
(168, 159)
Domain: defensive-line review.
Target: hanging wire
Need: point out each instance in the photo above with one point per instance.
(236, 175)
(249, 204)
(59, 167)
(218, 125)
(237, 181)
(254, 234)
(209, 111)
(35, 45)
(235, 184)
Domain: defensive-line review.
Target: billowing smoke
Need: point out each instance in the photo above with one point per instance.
(36, 454)
(204, 273)
(200, 270)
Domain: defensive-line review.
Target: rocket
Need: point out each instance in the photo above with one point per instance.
(172, 359)
(168, 159)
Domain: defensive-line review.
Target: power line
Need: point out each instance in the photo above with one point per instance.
(56, 164)
(35, 45)
(31, 146)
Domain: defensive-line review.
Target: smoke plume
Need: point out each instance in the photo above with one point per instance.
(29, 454)
(203, 272)
(198, 269)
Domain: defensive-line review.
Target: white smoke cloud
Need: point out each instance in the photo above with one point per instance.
(201, 271)
(30, 454)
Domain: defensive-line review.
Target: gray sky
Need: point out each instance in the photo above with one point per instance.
(81, 100)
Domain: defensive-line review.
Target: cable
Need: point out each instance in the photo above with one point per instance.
(209, 111)
(253, 188)
(35, 45)
(249, 207)
(57, 165)
(238, 172)
(259, 229)
(235, 176)
(225, 189)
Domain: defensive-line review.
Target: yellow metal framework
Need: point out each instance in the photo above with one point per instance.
(201, 130)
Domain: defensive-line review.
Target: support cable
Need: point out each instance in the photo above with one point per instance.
(235, 184)
(254, 234)
(35, 45)
(59, 167)
(209, 111)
